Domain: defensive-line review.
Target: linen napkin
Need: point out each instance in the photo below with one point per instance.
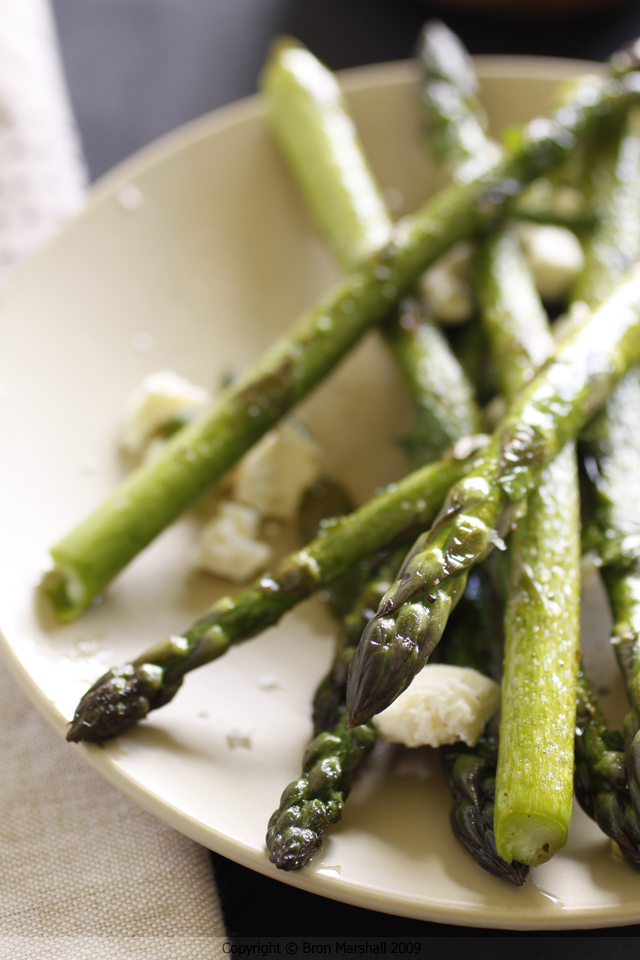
(84, 872)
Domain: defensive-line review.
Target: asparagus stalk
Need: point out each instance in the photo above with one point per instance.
(613, 455)
(613, 461)
(470, 774)
(613, 452)
(315, 801)
(517, 328)
(455, 121)
(330, 697)
(600, 778)
(614, 245)
(317, 138)
(441, 392)
(91, 555)
(456, 128)
(125, 694)
(321, 504)
(548, 413)
(514, 320)
(534, 780)
(319, 141)
(474, 639)
(607, 768)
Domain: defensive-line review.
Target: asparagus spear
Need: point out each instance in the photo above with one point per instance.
(321, 504)
(613, 462)
(455, 121)
(613, 453)
(319, 141)
(92, 554)
(479, 509)
(456, 128)
(127, 693)
(514, 320)
(600, 777)
(442, 394)
(315, 801)
(456, 132)
(474, 639)
(518, 331)
(330, 696)
(307, 114)
(470, 774)
(614, 245)
(534, 781)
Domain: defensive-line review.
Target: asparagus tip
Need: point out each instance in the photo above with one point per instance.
(379, 672)
(114, 703)
(74, 733)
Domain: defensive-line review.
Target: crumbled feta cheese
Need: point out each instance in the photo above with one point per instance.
(161, 398)
(273, 476)
(555, 257)
(227, 545)
(446, 286)
(444, 704)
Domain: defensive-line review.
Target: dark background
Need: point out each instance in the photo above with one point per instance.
(138, 68)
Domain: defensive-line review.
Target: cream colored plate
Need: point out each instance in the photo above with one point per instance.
(194, 255)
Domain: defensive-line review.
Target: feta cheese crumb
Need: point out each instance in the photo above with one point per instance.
(273, 476)
(444, 704)
(227, 545)
(555, 257)
(160, 399)
(446, 286)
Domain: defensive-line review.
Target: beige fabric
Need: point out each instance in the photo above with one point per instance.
(81, 861)
(83, 871)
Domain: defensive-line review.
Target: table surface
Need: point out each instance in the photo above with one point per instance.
(137, 70)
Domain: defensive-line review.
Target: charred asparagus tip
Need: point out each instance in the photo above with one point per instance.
(115, 701)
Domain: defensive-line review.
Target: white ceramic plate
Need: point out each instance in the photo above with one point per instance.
(194, 255)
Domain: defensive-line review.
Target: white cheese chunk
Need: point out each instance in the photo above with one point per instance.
(161, 398)
(273, 476)
(444, 704)
(446, 287)
(555, 257)
(227, 545)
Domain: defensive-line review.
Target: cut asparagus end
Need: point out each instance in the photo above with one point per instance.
(531, 838)
(65, 592)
